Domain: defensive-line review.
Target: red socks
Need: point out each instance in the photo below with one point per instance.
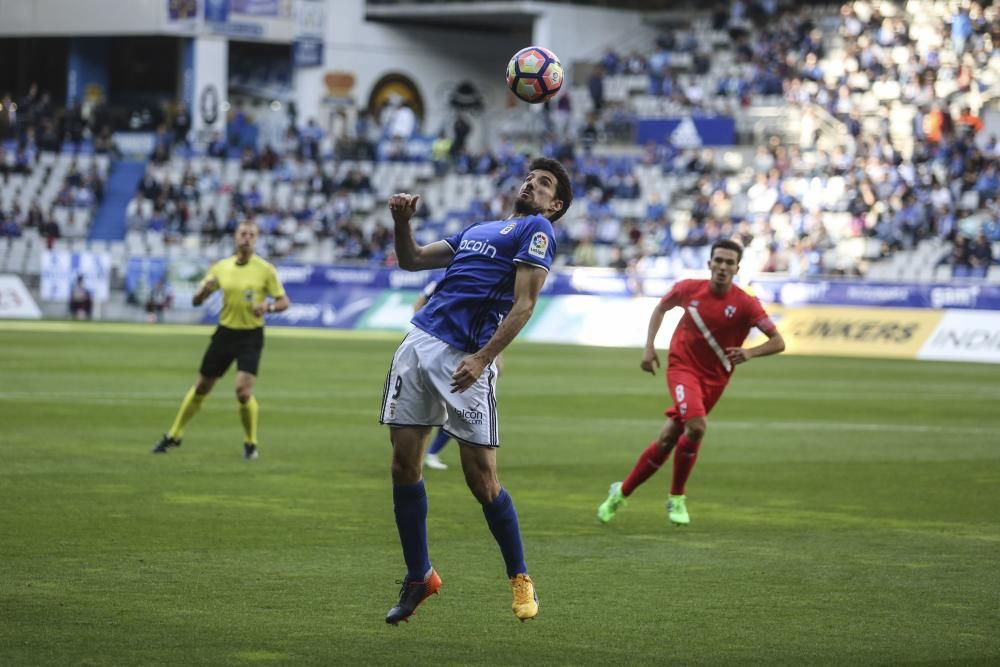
(649, 462)
(686, 453)
(684, 458)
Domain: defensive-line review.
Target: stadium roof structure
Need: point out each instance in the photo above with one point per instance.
(487, 16)
(504, 15)
(608, 4)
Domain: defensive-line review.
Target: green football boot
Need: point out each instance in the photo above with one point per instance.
(606, 512)
(677, 511)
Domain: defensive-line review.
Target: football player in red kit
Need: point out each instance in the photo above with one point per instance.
(704, 349)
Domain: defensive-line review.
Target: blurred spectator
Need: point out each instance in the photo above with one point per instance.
(104, 144)
(460, 135)
(961, 258)
(28, 113)
(75, 124)
(441, 152)
(961, 30)
(162, 145)
(970, 122)
(23, 163)
(50, 232)
(584, 253)
(8, 117)
(9, 226)
(980, 255)
(217, 146)
(80, 302)
(400, 124)
(356, 181)
(148, 186)
(595, 85)
(159, 300)
(237, 127)
(181, 124)
(34, 218)
(311, 136)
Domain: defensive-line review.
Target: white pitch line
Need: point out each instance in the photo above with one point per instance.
(853, 426)
(205, 330)
(872, 427)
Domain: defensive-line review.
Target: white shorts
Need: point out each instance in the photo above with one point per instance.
(418, 392)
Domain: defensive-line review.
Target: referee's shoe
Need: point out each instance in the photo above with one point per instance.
(165, 444)
(250, 451)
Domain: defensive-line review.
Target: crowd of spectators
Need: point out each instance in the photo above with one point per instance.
(937, 67)
(34, 123)
(30, 126)
(295, 202)
(934, 65)
(65, 214)
(791, 204)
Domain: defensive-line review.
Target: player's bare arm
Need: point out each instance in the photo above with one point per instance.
(528, 282)
(413, 257)
(278, 305)
(207, 287)
(773, 345)
(650, 359)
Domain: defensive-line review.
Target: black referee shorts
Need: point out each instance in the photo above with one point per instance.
(243, 345)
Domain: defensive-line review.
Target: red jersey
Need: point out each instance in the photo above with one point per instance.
(709, 325)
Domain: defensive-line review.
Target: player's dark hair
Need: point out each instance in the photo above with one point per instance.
(564, 187)
(727, 244)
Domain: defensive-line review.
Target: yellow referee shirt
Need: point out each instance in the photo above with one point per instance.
(243, 287)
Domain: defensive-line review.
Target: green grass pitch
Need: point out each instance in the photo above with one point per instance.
(844, 512)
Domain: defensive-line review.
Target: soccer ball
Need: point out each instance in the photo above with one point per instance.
(534, 74)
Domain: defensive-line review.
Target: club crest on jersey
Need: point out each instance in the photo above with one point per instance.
(730, 311)
(539, 244)
(509, 228)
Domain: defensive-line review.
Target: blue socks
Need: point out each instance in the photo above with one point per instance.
(410, 505)
(502, 520)
(440, 440)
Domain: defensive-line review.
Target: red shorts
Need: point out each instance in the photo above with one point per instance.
(694, 395)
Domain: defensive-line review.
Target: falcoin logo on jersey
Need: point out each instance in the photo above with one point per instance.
(472, 416)
(481, 247)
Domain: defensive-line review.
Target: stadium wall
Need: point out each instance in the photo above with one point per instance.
(598, 310)
(884, 333)
(111, 18)
(602, 307)
(81, 17)
(437, 59)
(584, 33)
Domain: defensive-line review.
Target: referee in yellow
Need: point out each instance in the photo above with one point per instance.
(247, 282)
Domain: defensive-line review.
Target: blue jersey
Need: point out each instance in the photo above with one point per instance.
(477, 289)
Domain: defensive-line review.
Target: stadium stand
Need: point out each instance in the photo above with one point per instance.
(861, 155)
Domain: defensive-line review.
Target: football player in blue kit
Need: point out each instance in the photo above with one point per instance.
(444, 372)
